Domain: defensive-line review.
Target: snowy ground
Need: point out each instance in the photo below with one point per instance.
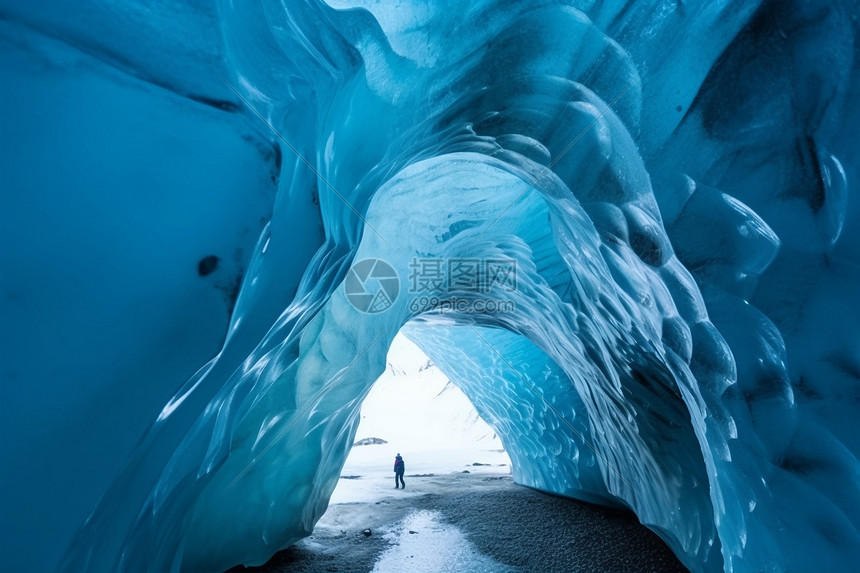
(460, 510)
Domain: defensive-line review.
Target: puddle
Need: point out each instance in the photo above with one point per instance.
(423, 543)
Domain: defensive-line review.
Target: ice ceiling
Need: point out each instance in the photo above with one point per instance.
(626, 230)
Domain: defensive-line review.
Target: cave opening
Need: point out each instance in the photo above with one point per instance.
(413, 409)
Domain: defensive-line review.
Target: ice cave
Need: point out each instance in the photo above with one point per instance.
(626, 230)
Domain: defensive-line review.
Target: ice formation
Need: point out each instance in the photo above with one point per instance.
(214, 217)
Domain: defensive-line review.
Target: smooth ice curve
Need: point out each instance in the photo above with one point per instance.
(659, 197)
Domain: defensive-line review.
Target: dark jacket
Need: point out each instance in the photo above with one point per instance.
(399, 466)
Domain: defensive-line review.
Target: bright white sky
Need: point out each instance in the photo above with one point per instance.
(419, 410)
(424, 418)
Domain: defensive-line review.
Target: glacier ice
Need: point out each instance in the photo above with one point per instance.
(187, 185)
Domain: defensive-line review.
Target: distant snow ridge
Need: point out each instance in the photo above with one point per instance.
(369, 442)
(626, 231)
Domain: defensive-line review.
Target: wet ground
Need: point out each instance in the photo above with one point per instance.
(477, 521)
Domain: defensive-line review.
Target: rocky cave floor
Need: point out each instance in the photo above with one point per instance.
(469, 521)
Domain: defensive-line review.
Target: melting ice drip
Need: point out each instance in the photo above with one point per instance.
(669, 181)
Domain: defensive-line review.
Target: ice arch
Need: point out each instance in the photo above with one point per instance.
(672, 180)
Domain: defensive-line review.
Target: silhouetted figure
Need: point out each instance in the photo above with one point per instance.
(399, 468)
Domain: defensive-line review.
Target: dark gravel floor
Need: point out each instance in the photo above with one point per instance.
(516, 526)
(534, 531)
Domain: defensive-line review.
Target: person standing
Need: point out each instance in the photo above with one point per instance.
(399, 468)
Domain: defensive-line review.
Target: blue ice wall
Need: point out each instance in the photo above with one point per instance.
(626, 230)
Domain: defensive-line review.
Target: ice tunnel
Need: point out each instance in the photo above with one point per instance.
(627, 230)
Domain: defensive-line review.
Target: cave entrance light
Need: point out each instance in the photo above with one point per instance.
(419, 413)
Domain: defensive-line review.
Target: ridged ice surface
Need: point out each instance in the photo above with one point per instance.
(658, 196)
